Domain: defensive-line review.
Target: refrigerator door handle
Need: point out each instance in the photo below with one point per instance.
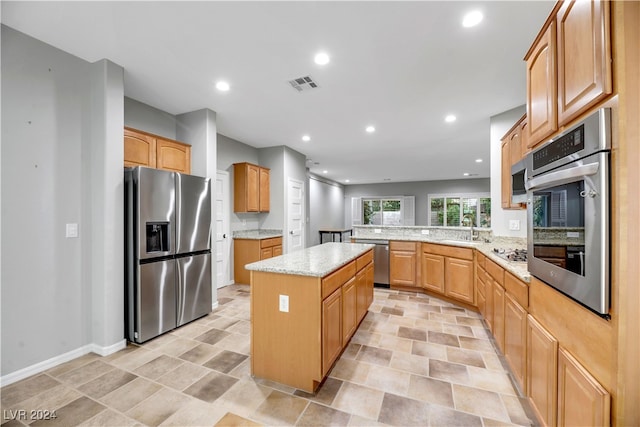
(178, 192)
(179, 293)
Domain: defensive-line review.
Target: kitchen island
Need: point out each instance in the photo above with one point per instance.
(305, 307)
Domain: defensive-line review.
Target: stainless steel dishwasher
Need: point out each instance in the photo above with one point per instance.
(380, 261)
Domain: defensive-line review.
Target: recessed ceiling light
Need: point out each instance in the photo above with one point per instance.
(306, 138)
(222, 86)
(466, 174)
(321, 58)
(346, 180)
(325, 171)
(478, 160)
(370, 129)
(472, 19)
(450, 118)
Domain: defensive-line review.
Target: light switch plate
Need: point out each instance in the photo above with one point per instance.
(573, 234)
(425, 231)
(514, 224)
(72, 230)
(284, 303)
(377, 230)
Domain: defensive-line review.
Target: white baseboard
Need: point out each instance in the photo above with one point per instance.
(60, 359)
(214, 305)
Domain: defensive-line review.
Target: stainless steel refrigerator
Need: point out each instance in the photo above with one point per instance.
(167, 250)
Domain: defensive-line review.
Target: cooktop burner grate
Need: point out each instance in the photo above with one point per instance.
(517, 255)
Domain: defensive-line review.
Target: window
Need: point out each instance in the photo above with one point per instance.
(382, 211)
(466, 210)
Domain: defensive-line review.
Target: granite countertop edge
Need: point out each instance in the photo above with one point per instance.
(328, 257)
(256, 234)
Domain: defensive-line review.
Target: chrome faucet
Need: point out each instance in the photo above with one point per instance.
(468, 218)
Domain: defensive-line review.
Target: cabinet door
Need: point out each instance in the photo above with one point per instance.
(515, 150)
(139, 149)
(582, 401)
(489, 302)
(349, 309)
(506, 175)
(498, 314)
(515, 338)
(459, 279)
(253, 188)
(173, 156)
(541, 87)
(402, 268)
(481, 302)
(264, 190)
(584, 56)
(433, 272)
(542, 371)
(331, 329)
(369, 282)
(361, 294)
(277, 250)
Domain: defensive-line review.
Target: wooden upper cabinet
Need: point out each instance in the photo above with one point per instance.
(145, 149)
(505, 192)
(541, 87)
(173, 155)
(139, 149)
(582, 401)
(584, 56)
(250, 188)
(512, 151)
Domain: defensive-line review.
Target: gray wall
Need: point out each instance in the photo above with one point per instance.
(62, 153)
(420, 190)
(326, 207)
(149, 119)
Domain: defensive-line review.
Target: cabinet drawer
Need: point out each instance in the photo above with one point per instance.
(449, 251)
(267, 243)
(495, 271)
(517, 289)
(364, 260)
(336, 279)
(402, 246)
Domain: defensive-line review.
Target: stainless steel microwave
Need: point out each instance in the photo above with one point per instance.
(568, 212)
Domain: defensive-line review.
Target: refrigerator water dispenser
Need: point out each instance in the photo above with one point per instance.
(157, 237)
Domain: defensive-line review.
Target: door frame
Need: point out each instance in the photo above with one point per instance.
(226, 220)
(303, 231)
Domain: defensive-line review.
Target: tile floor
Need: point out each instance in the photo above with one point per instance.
(415, 360)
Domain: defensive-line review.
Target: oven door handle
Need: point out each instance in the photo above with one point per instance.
(564, 176)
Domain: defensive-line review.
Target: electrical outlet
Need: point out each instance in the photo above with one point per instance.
(284, 303)
(425, 231)
(72, 230)
(573, 234)
(377, 230)
(514, 224)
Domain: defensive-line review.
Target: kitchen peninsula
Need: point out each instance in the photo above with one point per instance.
(305, 306)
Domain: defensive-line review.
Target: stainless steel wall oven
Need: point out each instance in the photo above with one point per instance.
(568, 212)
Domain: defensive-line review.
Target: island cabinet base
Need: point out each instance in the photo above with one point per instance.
(301, 324)
(286, 347)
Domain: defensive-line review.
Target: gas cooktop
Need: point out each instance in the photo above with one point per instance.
(516, 255)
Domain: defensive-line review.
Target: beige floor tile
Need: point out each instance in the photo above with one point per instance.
(178, 346)
(465, 357)
(407, 322)
(389, 380)
(233, 420)
(183, 376)
(350, 370)
(242, 327)
(452, 372)
(391, 342)
(442, 317)
(26, 389)
(488, 422)
(134, 359)
(224, 323)
(351, 352)
(431, 390)
(384, 328)
(158, 407)
(366, 338)
(479, 402)
(359, 400)
(130, 394)
(515, 409)
(211, 386)
(444, 339)
(442, 416)
(280, 409)
(429, 325)
(85, 373)
(463, 330)
(403, 411)
(410, 363)
(416, 314)
(200, 353)
(325, 393)
(109, 417)
(106, 383)
(236, 343)
(430, 350)
(319, 415)
(72, 364)
(158, 367)
(244, 397)
(160, 341)
(225, 361)
(49, 400)
(358, 421)
(196, 413)
(476, 344)
(242, 371)
(375, 355)
(490, 380)
(73, 413)
(469, 321)
(212, 336)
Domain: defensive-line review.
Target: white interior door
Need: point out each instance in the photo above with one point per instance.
(222, 230)
(295, 217)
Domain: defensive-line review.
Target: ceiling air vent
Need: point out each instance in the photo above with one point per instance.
(303, 83)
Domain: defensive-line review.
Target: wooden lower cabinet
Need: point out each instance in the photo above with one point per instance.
(349, 309)
(331, 329)
(369, 284)
(498, 314)
(433, 272)
(403, 263)
(542, 371)
(582, 401)
(458, 279)
(246, 251)
(489, 303)
(515, 338)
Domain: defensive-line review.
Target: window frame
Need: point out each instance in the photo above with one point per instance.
(399, 199)
(461, 196)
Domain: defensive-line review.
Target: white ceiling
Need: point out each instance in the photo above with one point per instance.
(399, 66)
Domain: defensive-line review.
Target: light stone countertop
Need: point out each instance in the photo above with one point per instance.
(256, 234)
(316, 261)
